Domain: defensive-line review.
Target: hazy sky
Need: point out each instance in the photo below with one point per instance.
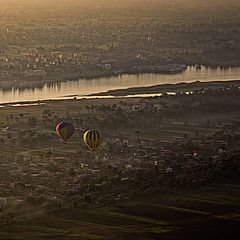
(112, 2)
(195, 5)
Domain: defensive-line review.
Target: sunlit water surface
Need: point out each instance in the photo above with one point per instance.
(83, 87)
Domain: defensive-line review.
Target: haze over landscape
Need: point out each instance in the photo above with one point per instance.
(119, 119)
(178, 3)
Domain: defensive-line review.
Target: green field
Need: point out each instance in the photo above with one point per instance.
(209, 213)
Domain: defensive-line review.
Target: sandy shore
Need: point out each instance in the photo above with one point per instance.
(138, 92)
(164, 88)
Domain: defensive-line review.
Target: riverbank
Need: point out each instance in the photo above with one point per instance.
(84, 87)
(140, 92)
(37, 81)
(164, 88)
(28, 82)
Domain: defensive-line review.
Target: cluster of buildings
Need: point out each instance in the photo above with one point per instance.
(63, 45)
(127, 165)
(119, 172)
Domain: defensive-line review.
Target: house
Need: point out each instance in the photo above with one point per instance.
(157, 107)
(136, 107)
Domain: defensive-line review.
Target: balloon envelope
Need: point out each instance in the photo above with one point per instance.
(65, 130)
(92, 139)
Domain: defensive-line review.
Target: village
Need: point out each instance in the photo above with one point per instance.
(119, 119)
(76, 44)
(150, 145)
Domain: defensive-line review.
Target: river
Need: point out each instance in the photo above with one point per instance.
(83, 87)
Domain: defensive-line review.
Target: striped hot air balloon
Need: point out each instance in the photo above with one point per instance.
(65, 130)
(92, 139)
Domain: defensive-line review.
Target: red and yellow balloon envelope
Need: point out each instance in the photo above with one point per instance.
(92, 139)
(65, 130)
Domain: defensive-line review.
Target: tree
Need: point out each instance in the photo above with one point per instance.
(20, 117)
(9, 136)
(32, 121)
(72, 173)
(52, 167)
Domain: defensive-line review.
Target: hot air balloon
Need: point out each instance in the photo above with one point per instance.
(65, 130)
(92, 139)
